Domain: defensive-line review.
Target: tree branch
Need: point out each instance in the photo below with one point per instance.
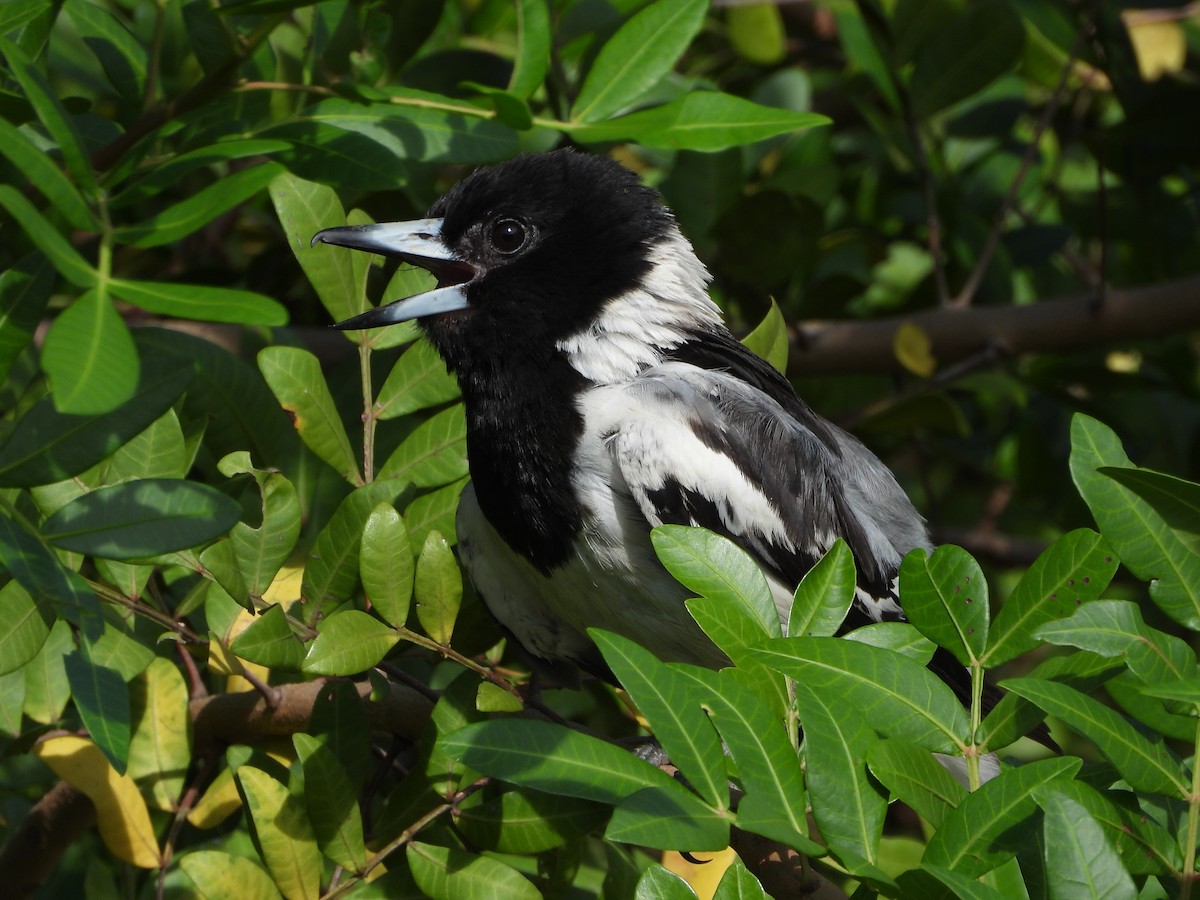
(866, 347)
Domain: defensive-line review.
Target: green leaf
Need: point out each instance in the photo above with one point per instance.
(47, 239)
(769, 339)
(42, 574)
(657, 883)
(1176, 500)
(1078, 853)
(160, 749)
(90, 357)
(1106, 627)
(295, 377)
(946, 598)
(332, 804)
(386, 564)
(527, 822)
(201, 302)
(674, 713)
(1144, 542)
(339, 719)
(41, 172)
(1147, 765)
(218, 874)
(270, 641)
(434, 453)
(447, 873)
(939, 882)
(102, 700)
(914, 776)
(47, 446)
(898, 697)
(1072, 571)
(899, 637)
(846, 802)
(282, 833)
(738, 884)
(510, 109)
(118, 648)
(437, 588)
(533, 48)
(971, 51)
(756, 32)
(121, 55)
(417, 381)
(171, 173)
(985, 829)
(43, 99)
(667, 821)
(493, 698)
(348, 643)
(142, 518)
(262, 551)
(46, 687)
(633, 60)
(706, 121)
(25, 288)
(26, 625)
(713, 566)
(434, 511)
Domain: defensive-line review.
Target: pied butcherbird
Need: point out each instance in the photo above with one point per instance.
(604, 396)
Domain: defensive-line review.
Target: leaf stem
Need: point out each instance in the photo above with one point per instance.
(368, 415)
(976, 720)
(1193, 824)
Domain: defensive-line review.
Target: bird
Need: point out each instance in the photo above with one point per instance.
(605, 396)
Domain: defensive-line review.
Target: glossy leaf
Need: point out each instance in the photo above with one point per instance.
(824, 595)
(348, 643)
(434, 511)
(43, 575)
(914, 776)
(417, 381)
(982, 832)
(118, 648)
(171, 172)
(447, 873)
(524, 821)
(46, 690)
(632, 61)
(1083, 861)
(218, 874)
(121, 814)
(946, 598)
(1072, 571)
(47, 239)
(295, 377)
(262, 551)
(26, 625)
(102, 700)
(270, 641)
(386, 564)
(332, 804)
(899, 637)
(284, 836)
(437, 588)
(90, 357)
(204, 303)
(769, 339)
(160, 749)
(142, 518)
(1176, 500)
(533, 48)
(42, 173)
(656, 883)
(434, 454)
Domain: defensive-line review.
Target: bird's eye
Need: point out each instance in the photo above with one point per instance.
(508, 236)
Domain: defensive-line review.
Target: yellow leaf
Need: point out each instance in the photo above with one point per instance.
(912, 348)
(160, 749)
(285, 837)
(121, 812)
(223, 662)
(219, 802)
(1159, 42)
(286, 586)
(704, 877)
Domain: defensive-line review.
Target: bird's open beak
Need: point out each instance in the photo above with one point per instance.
(418, 242)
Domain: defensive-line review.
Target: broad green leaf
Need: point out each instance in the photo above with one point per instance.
(158, 452)
(914, 776)
(1072, 571)
(946, 598)
(348, 643)
(984, 830)
(48, 446)
(1186, 690)
(493, 698)
(44, 100)
(160, 749)
(36, 567)
(121, 55)
(386, 564)
(284, 836)
(295, 377)
(667, 821)
(847, 803)
(47, 239)
(90, 357)
(674, 713)
(178, 221)
(938, 882)
(732, 629)
(434, 454)
(1106, 627)
(201, 302)
(756, 32)
(418, 380)
(714, 566)
(171, 173)
(338, 276)
(966, 55)
(706, 121)
(118, 648)
(331, 575)
(270, 641)
(339, 719)
(526, 822)
(1146, 764)
(46, 688)
(434, 511)
(262, 551)
(142, 518)
(898, 697)
(633, 60)
(1145, 543)
(447, 873)
(332, 804)
(217, 874)
(102, 699)
(26, 625)
(769, 339)
(533, 47)
(899, 637)
(738, 884)
(12, 700)
(43, 174)
(1078, 854)
(657, 883)
(351, 161)
(824, 594)
(437, 588)
(510, 109)
(25, 288)
(219, 562)
(1175, 499)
